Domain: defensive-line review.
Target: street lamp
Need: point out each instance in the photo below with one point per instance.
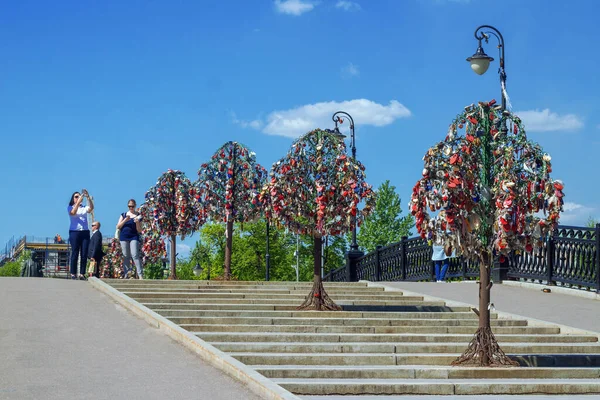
(340, 117)
(198, 270)
(481, 61)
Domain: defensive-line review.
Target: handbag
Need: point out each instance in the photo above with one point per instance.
(117, 234)
(91, 268)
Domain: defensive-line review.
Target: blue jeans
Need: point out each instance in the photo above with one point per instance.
(131, 251)
(80, 241)
(439, 276)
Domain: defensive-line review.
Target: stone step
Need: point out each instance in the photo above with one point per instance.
(202, 306)
(199, 328)
(257, 290)
(166, 282)
(315, 320)
(316, 314)
(395, 310)
(291, 296)
(440, 359)
(439, 386)
(294, 302)
(423, 372)
(276, 337)
(400, 348)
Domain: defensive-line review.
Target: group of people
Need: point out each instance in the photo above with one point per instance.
(86, 246)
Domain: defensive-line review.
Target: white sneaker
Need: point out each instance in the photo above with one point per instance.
(439, 281)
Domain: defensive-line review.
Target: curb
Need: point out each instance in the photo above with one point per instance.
(257, 383)
(450, 303)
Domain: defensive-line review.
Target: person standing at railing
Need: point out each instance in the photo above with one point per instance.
(441, 262)
(79, 233)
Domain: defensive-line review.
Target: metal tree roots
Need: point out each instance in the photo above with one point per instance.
(318, 299)
(484, 351)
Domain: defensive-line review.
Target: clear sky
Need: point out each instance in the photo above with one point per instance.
(109, 94)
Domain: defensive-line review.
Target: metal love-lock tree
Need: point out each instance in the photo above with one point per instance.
(153, 244)
(176, 212)
(488, 184)
(112, 262)
(227, 186)
(315, 190)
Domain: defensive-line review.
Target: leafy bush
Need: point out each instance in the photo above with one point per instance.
(12, 268)
(154, 271)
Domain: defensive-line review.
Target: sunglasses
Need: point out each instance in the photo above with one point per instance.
(130, 206)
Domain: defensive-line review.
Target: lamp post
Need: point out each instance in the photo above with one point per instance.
(340, 117)
(481, 61)
(267, 256)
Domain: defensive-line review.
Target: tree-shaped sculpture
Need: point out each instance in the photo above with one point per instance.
(315, 190)
(173, 205)
(489, 184)
(227, 186)
(112, 262)
(153, 244)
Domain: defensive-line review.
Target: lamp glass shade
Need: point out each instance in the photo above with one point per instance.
(339, 134)
(480, 62)
(197, 270)
(480, 65)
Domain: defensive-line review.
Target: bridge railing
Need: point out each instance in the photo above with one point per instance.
(570, 256)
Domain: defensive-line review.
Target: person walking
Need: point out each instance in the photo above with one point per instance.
(129, 225)
(96, 254)
(79, 233)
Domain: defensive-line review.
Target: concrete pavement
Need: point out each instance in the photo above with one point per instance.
(62, 339)
(559, 308)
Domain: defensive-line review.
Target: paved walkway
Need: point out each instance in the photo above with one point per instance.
(62, 339)
(562, 309)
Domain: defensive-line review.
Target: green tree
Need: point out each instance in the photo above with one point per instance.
(591, 222)
(384, 225)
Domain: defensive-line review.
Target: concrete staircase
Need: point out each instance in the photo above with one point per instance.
(383, 343)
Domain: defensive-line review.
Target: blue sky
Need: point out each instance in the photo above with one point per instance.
(108, 95)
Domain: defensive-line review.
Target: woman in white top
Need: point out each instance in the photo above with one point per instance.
(79, 233)
(439, 257)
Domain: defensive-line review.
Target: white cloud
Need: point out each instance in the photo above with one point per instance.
(300, 120)
(348, 5)
(183, 250)
(255, 124)
(575, 214)
(350, 70)
(293, 7)
(547, 121)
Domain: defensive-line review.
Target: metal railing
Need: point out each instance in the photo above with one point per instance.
(571, 256)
